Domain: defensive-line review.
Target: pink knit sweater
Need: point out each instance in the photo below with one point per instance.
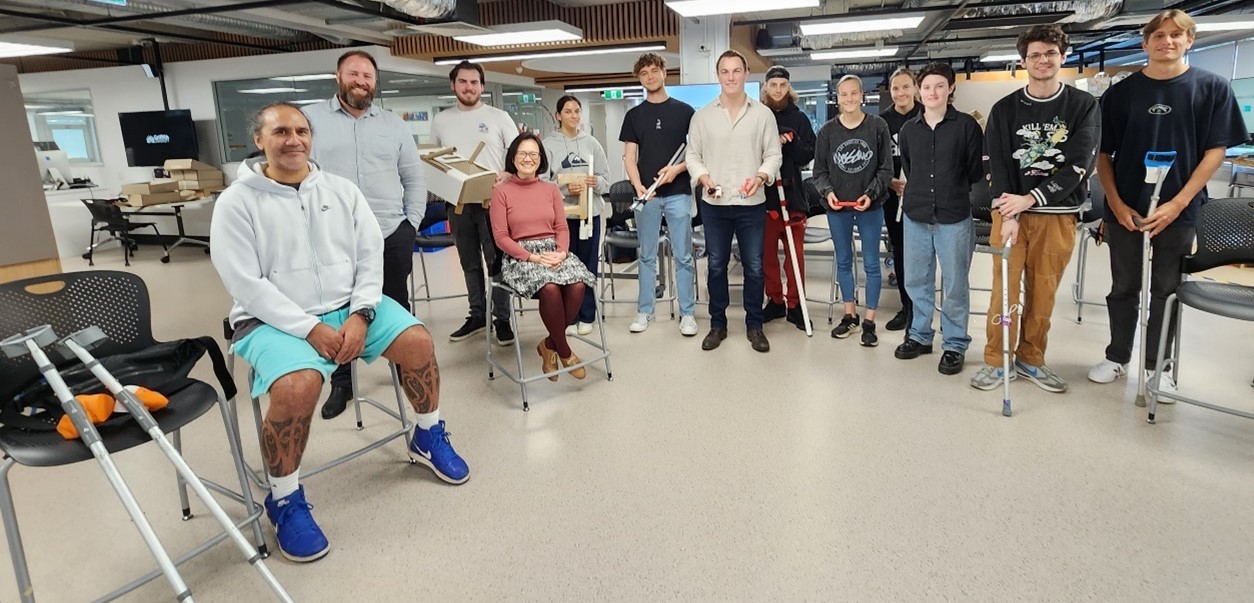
(527, 209)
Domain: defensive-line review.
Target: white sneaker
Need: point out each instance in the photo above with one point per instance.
(640, 323)
(585, 328)
(1166, 387)
(688, 326)
(1107, 371)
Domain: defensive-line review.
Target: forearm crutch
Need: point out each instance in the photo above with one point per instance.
(77, 345)
(1157, 164)
(31, 343)
(1004, 319)
(796, 266)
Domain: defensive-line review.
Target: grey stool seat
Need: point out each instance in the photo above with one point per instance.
(816, 235)
(1223, 299)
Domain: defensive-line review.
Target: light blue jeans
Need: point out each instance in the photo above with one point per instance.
(950, 245)
(678, 212)
(870, 223)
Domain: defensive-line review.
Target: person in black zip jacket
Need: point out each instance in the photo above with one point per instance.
(796, 137)
(905, 91)
(1042, 144)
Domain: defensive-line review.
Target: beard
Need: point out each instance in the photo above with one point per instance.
(359, 103)
(777, 105)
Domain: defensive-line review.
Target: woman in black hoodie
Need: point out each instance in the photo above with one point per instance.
(853, 166)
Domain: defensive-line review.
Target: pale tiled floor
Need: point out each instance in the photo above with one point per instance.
(820, 471)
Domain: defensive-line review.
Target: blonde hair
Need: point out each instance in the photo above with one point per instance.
(1175, 15)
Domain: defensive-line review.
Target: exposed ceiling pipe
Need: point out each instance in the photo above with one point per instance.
(425, 9)
(935, 27)
(208, 22)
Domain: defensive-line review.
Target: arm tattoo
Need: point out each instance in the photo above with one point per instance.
(422, 386)
(283, 443)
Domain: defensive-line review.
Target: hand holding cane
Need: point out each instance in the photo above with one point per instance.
(796, 265)
(1157, 164)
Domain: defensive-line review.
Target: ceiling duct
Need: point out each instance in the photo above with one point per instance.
(424, 9)
(451, 17)
(1080, 12)
(210, 22)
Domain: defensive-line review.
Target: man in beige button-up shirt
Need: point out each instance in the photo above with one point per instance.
(734, 152)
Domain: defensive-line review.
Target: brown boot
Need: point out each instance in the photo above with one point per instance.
(578, 373)
(549, 358)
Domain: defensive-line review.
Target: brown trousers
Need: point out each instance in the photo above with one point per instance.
(1037, 259)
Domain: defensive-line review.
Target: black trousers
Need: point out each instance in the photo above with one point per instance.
(1170, 246)
(897, 238)
(398, 262)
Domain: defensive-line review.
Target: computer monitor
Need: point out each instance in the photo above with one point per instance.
(152, 137)
(54, 167)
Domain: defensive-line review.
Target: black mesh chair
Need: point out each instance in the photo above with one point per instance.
(1089, 226)
(108, 218)
(1225, 237)
(621, 197)
(117, 302)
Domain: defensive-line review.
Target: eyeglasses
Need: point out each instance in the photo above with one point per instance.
(522, 155)
(1037, 56)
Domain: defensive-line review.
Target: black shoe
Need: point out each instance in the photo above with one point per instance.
(951, 363)
(798, 320)
(869, 338)
(504, 334)
(758, 339)
(911, 349)
(469, 329)
(336, 402)
(773, 310)
(714, 338)
(848, 326)
(899, 322)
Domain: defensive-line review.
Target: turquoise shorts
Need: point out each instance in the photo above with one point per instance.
(273, 353)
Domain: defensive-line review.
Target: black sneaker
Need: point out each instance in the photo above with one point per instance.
(911, 349)
(951, 363)
(869, 338)
(714, 338)
(773, 310)
(848, 326)
(758, 339)
(504, 334)
(798, 319)
(899, 322)
(469, 329)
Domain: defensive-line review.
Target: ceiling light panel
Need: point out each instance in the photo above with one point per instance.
(702, 8)
(849, 25)
(538, 32)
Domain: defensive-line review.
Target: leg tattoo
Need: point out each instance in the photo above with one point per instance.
(283, 442)
(422, 386)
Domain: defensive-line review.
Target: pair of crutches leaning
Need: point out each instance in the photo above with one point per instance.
(75, 346)
(639, 202)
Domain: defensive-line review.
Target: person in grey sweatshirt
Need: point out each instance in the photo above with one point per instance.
(853, 167)
(300, 252)
(571, 151)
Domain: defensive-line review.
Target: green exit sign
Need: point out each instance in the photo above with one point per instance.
(527, 98)
(612, 94)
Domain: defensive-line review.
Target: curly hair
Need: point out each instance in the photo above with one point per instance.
(1049, 34)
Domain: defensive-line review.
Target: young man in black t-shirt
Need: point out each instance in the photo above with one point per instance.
(652, 132)
(1168, 106)
(905, 91)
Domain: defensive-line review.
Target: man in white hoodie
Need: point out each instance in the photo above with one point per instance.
(300, 252)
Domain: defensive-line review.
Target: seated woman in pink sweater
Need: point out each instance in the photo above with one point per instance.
(529, 225)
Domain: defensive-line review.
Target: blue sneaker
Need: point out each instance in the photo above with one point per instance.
(300, 538)
(432, 448)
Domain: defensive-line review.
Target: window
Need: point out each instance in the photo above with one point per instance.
(66, 118)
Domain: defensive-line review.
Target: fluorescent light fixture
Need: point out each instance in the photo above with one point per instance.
(271, 90)
(854, 53)
(74, 112)
(1224, 23)
(9, 50)
(848, 25)
(536, 32)
(625, 89)
(454, 96)
(390, 92)
(576, 52)
(701, 8)
(1000, 56)
(309, 101)
(305, 78)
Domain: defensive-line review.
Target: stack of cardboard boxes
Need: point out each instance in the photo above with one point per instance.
(189, 179)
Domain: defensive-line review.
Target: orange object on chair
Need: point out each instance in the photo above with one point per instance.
(99, 407)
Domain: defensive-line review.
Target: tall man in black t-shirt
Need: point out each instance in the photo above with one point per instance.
(652, 132)
(1167, 106)
(905, 90)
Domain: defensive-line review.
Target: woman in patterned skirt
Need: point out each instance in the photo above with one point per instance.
(529, 225)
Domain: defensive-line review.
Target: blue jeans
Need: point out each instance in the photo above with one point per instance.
(748, 224)
(870, 223)
(952, 246)
(587, 251)
(678, 212)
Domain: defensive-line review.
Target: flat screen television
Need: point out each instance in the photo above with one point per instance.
(1243, 89)
(152, 137)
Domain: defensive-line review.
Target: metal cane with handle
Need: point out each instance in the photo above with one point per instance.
(77, 344)
(31, 343)
(637, 203)
(1004, 319)
(792, 254)
(1157, 164)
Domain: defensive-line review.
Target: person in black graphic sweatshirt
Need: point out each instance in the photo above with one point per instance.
(796, 138)
(1041, 143)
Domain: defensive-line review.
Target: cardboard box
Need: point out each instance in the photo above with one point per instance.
(455, 178)
(197, 185)
(188, 164)
(141, 200)
(579, 209)
(163, 185)
(196, 175)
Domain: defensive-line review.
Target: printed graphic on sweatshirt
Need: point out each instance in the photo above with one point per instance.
(853, 156)
(573, 160)
(1039, 154)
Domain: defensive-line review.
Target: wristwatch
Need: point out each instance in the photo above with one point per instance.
(366, 314)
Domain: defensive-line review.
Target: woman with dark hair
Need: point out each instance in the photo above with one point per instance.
(571, 151)
(529, 225)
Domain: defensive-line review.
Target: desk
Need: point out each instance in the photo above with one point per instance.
(176, 210)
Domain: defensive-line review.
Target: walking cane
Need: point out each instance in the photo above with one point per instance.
(1004, 319)
(1157, 164)
(77, 345)
(638, 202)
(796, 266)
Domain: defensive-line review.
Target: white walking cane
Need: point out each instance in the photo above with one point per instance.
(796, 266)
(1157, 164)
